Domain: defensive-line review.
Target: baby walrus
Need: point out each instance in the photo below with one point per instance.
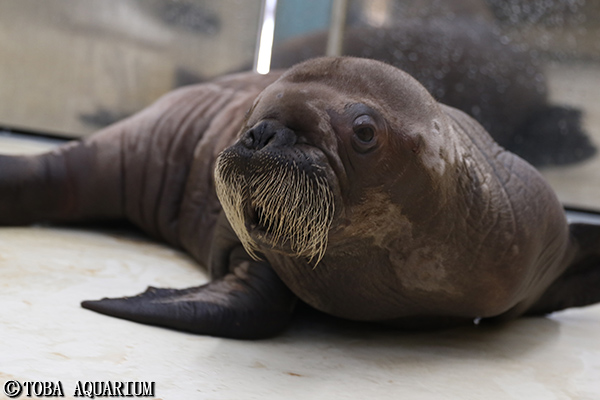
(348, 187)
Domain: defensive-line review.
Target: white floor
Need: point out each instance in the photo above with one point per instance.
(45, 336)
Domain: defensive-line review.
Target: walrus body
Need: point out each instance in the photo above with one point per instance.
(348, 187)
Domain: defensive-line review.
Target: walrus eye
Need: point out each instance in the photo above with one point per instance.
(364, 131)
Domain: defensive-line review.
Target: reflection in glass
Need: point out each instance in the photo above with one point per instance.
(526, 70)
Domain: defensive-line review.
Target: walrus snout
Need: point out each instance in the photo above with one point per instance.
(268, 133)
(275, 193)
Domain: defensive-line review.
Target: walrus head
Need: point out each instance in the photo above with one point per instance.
(317, 145)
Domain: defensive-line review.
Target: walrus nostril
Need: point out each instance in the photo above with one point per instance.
(268, 132)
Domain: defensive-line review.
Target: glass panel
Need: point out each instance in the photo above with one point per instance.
(528, 70)
(296, 18)
(68, 67)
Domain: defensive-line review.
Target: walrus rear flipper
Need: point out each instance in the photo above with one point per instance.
(250, 303)
(552, 136)
(579, 285)
(63, 185)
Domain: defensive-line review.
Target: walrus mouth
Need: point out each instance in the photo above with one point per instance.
(259, 221)
(275, 205)
(262, 227)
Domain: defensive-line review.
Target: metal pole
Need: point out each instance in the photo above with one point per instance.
(335, 40)
(264, 47)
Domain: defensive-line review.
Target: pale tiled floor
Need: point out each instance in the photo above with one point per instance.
(45, 336)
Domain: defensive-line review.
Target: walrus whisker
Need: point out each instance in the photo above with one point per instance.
(230, 188)
(290, 206)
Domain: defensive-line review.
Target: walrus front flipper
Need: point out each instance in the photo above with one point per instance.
(249, 303)
(579, 285)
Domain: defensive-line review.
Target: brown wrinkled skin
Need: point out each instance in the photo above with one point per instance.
(483, 238)
(154, 169)
(434, 224)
